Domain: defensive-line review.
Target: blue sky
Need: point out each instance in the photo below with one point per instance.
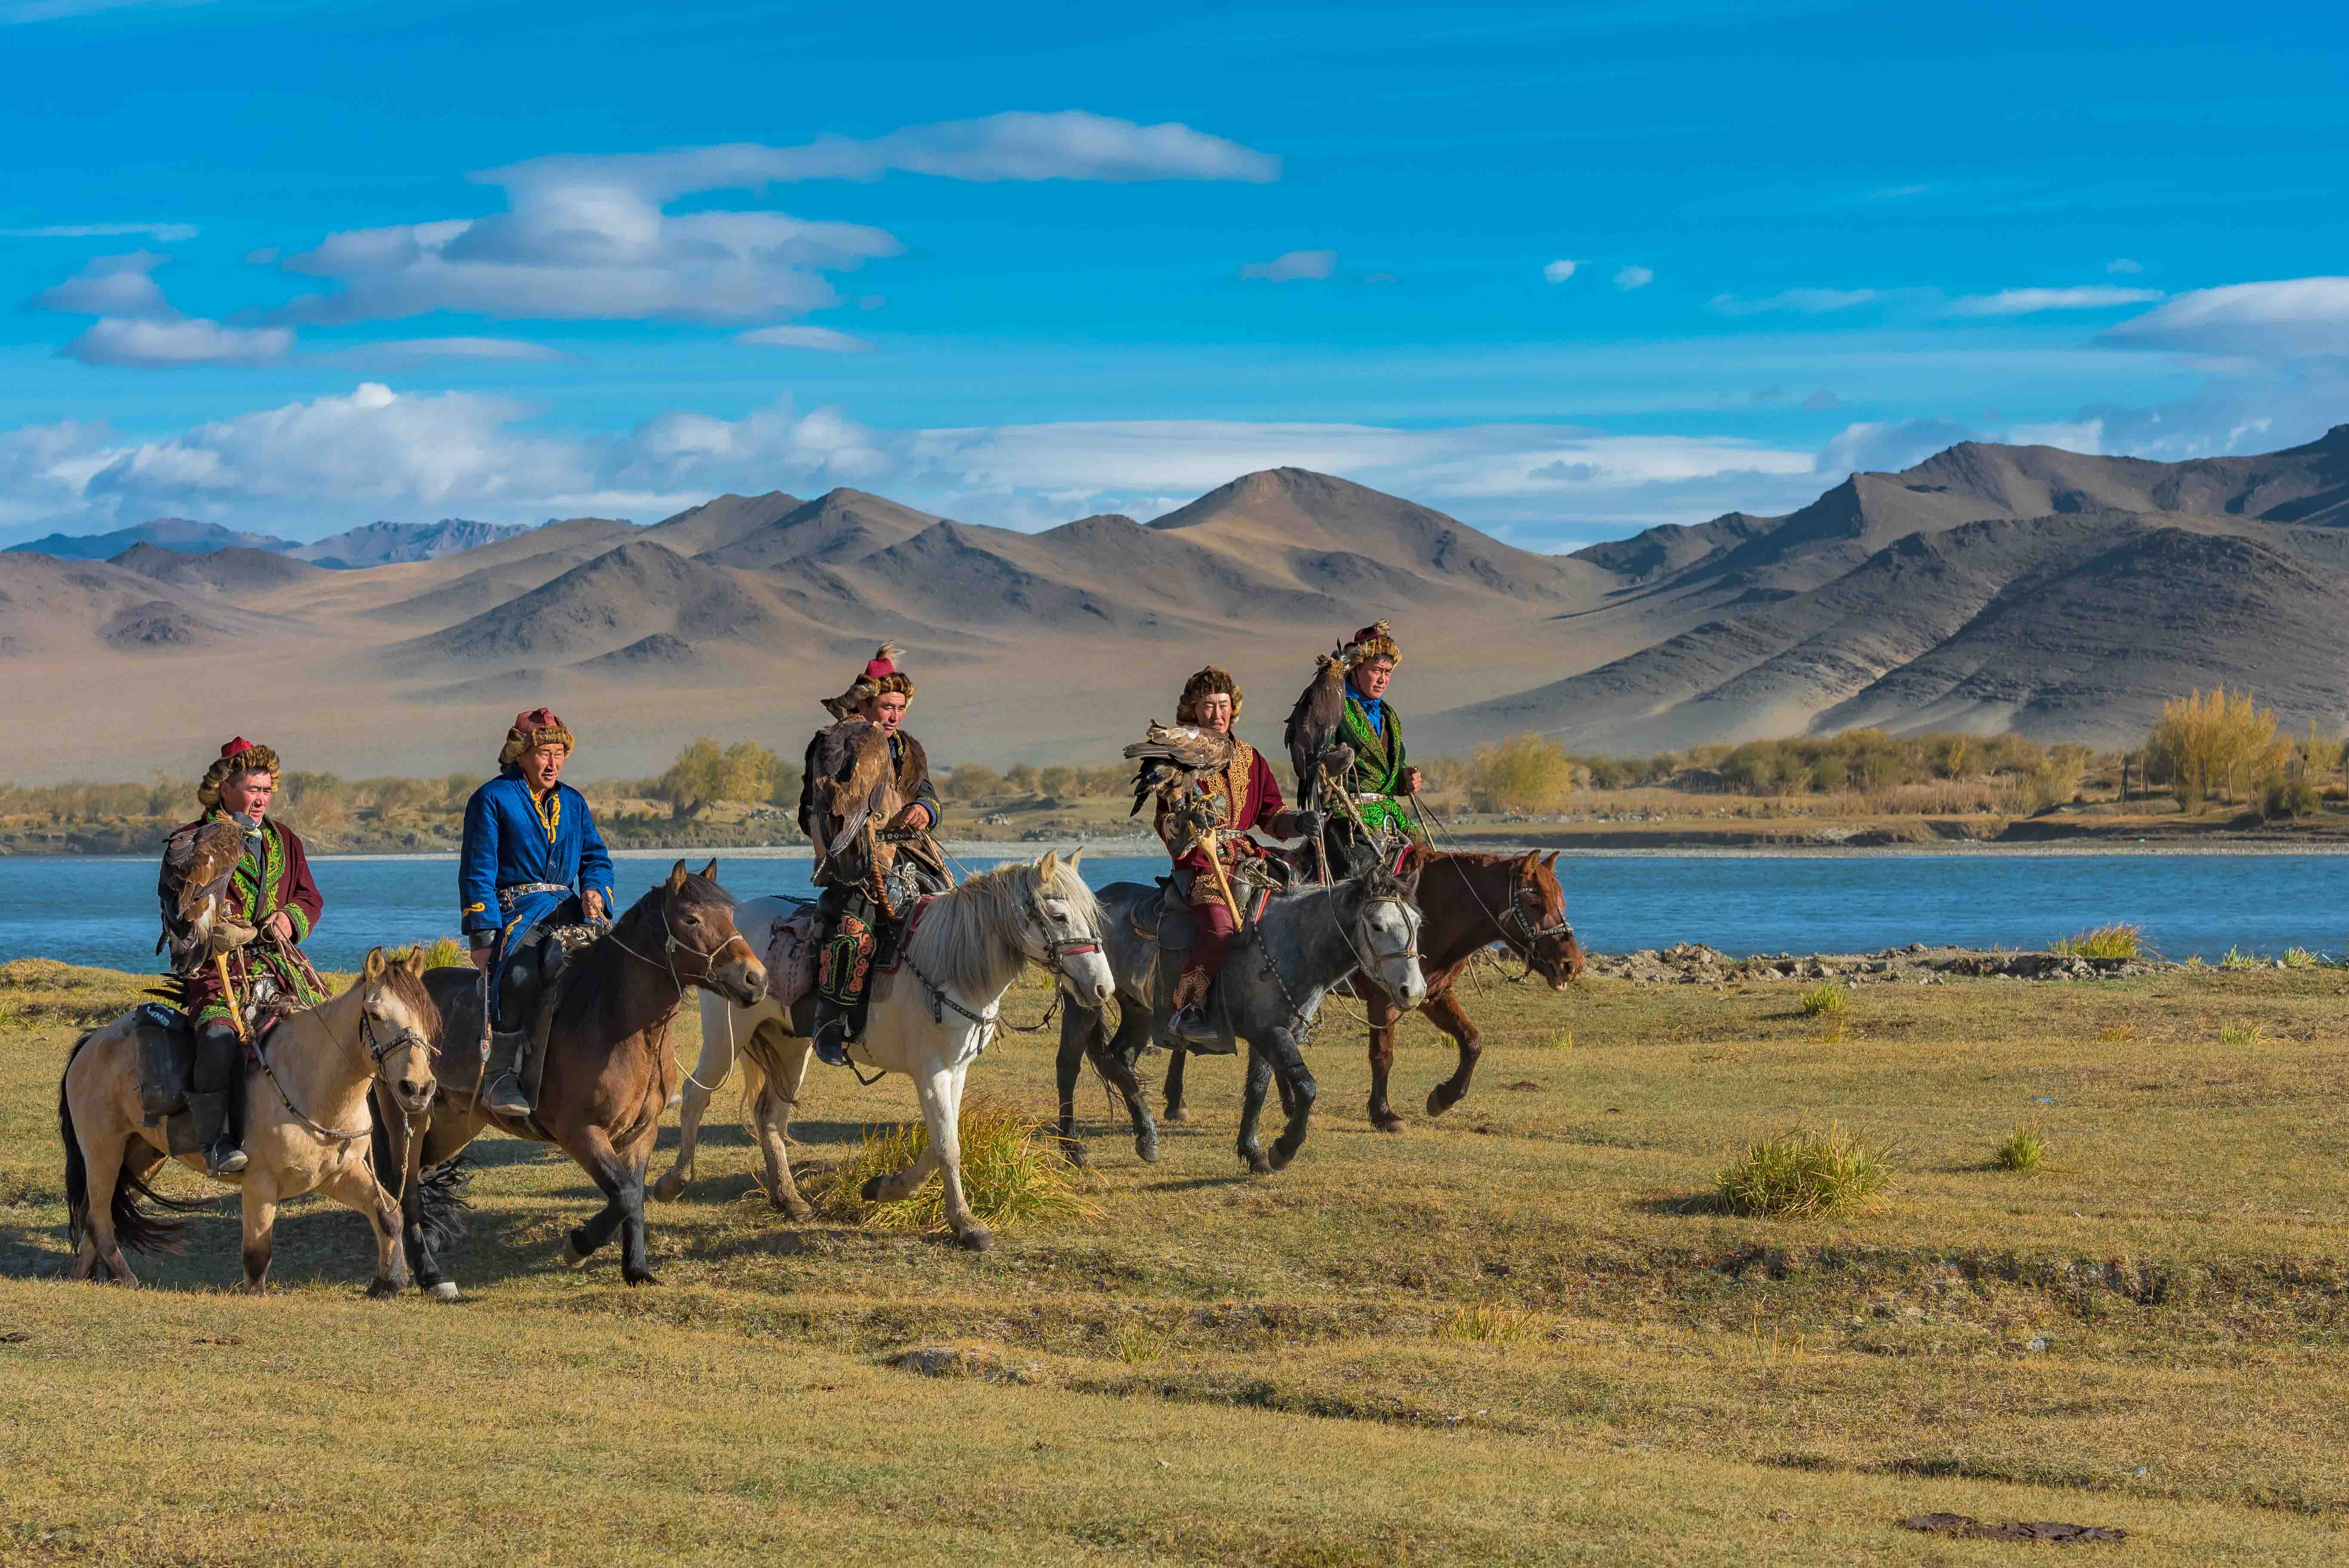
(1563, 270)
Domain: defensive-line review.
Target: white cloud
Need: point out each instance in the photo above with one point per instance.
(1805, 301)
(167, 232)
(1291, 265)
(147, 343)
(416, 350)
(818, 337)
(111, 285)
(2123, 265)
(1887, 448)
(2030, 301)
(2287, 319)
(589, 238)
(1634, 277)
(1558, 272)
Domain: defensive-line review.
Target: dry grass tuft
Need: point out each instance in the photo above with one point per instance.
(1827, 1001)
(1489, 1325)
(2243, 1035)
(2023, 1150)
(1802, 1175)
(1012, 1172)
(2115, 940)
(445, 952)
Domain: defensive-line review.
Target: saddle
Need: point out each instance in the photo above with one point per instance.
(1164, 919)
(792, 944)
(167, 1064)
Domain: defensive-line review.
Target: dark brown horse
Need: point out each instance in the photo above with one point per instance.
(606, 1080)
(1469, 902)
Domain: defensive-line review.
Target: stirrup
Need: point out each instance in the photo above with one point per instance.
(1190, 1029)
(504, 1095)
(831, 1037)
(224, 1158)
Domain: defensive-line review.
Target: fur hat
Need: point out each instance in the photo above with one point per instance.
(239, 756)
(1207, 683)
(532, 730)
(1372, 642)
(881, 676)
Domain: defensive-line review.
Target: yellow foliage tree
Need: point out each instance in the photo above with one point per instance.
(1524, 773)
(2206, 743)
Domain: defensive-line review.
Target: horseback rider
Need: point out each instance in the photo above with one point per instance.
(270, 892)
(1245, 796)
(847, 912)
(530, 841)
(1382, 780)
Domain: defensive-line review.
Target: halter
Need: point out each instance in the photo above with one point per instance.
(376, 1055)
(1058, 950)
(1528, 935)
(670, 948)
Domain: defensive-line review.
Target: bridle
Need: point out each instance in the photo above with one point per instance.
(670, 948)
(1527, 935)
(377, 1051)
(1058, 951)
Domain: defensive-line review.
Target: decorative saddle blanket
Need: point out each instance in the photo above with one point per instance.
(791, 956)
(167, 1064)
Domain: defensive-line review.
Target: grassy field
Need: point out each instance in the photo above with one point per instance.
(1524, 1333)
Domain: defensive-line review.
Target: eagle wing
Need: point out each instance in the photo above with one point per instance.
(1314, 723)
(1173, 755)
(204, 862)
(856, 788)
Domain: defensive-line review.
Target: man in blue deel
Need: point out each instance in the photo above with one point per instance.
(529, 842)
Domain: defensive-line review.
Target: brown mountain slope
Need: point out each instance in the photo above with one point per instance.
(232, 571)
(714, 524)
(838, 526)
(444, 592)
(57, 609)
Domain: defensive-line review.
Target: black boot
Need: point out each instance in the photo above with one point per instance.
(830, 1032)
(501, 1090)
(221, 1156)
(1196, 1032)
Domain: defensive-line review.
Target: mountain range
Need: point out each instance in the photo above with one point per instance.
(1989, 588)
(376, 544)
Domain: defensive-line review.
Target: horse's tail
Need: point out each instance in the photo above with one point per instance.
(440, 1201)
(754, 1079)
(135, 1227)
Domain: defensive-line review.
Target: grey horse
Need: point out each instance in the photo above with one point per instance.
(1272, 985)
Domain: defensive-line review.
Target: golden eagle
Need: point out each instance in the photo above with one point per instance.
(1174, 754)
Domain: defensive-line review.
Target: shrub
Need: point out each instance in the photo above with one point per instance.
(2116, 941)
(2242, 1034)
(2204, 742)
(1807, 1175)
(445, 952)
(2023, 1151)
(1523, 773)
(1012, 1172)
(2291, 799)
(1827, 1001)
(972, 781)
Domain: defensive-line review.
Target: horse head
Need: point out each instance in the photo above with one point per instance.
(1536, 921)
(1068, 919)
(1383, 912)
(398, 1026)
(698, 940)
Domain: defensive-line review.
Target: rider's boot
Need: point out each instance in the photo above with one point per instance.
(842, 972)
(220, 1055)
(502, 1092)
(830, 1031)
(1195, 1030)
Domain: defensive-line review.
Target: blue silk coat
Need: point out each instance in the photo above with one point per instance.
(514, 838)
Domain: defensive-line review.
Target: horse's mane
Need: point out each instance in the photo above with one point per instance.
(410, 988)
(957, 943)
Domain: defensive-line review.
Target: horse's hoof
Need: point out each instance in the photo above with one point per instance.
(1281, 1156)
(1438, 1104)
(1074, 1153)
(1145, 1149)
(382, 1289)
(1388, 1122)
(978, 1239)
(445, 1291)
(1175, 1112)
(1254, 1160)
(791, 1208)
(870, 1191)
(640, 1276)
(572, 1256)
(668, 1189)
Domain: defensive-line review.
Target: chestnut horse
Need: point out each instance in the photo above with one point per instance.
(606, 1079)
(1469, 902)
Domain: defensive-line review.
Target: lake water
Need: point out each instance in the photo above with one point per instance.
(102, 909)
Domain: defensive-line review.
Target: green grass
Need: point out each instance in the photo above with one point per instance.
(1012, 1173)
(2237, 958)
(1827, 1001)
(1524, 1332)
(2116, 941)
(1805, 1175)
(2301, 958)
(2023, 1150)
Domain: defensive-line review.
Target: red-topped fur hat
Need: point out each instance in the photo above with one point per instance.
(530, 730)
(881, 675)
(1372, 642)
(1205, 684)
(239, 756)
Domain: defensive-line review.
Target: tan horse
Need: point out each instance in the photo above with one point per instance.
(307, 1124)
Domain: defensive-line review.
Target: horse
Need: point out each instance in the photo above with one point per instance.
(305, 1126)
(604, 1081)
(930, 1016)
(1305, 942)
(1470, 901)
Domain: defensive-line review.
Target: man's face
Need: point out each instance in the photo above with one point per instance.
(542, 764)
(887, 710)
(1214, 711)
(247, 794)
(1370, 679)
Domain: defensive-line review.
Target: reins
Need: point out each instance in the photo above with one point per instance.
(376, 1055)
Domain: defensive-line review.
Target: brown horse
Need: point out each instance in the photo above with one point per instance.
(606, 1077)
(1469, 902)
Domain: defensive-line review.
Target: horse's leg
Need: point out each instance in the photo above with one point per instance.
(716, 1061)
(427, 1142)
(1259, 1081)
(1380, 1009)
(259, 1222)
(946, 1137)
(591, 1148)
(102, 1160)
(1176, 1110)
(1291, 1063)
(771, 1115)
(1442, 1010)
(354, 1187)
(1115, 1060)
(1079, 1035)
(635, 1262)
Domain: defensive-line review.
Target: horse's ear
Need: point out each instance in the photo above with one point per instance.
(1533, 859)
(677, 876)
(1074, 856)
(709, 872)
(375, 966)
(415, 965)
(1047, 868)
(1551, 861)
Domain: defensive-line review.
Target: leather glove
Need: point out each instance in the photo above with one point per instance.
(228, 933)
(1305, 821)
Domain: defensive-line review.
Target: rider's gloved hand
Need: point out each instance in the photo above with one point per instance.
(1306, 821)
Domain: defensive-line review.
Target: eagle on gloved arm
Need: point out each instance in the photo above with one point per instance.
(202, 862)
(1175, 754)
(1315, 723)
(856, 789)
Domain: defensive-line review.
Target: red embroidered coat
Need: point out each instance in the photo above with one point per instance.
(278, 877)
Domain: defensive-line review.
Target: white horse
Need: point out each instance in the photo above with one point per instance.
(929, 1018)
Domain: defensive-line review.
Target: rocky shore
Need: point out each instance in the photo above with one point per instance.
(1693, 963)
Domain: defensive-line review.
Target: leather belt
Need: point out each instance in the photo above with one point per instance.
(510, 896)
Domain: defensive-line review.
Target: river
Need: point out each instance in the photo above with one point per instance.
(102, 909)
